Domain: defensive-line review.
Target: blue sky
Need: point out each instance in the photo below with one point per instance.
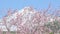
(19, 4)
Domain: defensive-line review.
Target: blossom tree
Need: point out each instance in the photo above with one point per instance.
(7, 23)
(1, 31)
